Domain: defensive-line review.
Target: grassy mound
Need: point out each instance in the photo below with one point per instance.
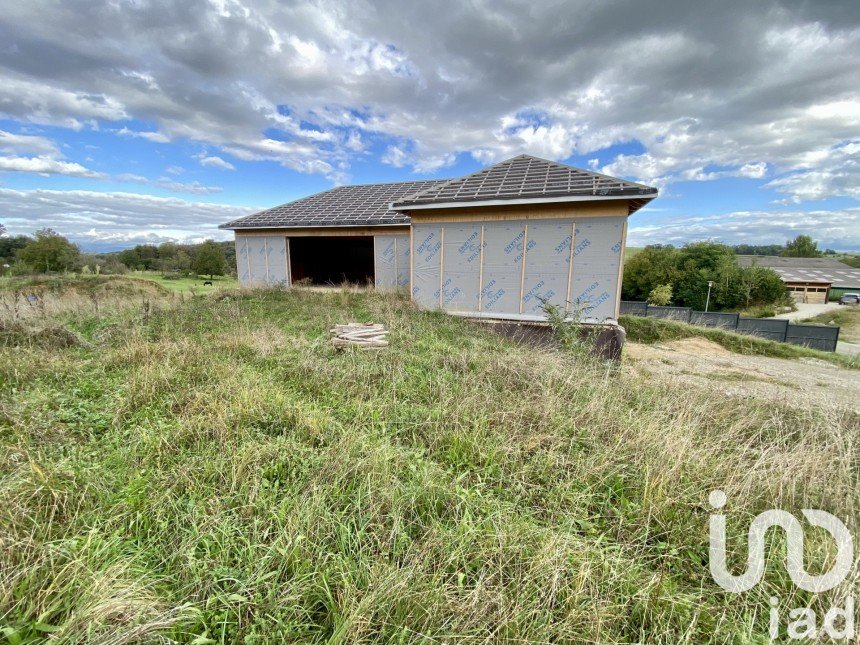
(102, 285)
(16, 334)
(641, 329)
(218, 472)
(47, 297)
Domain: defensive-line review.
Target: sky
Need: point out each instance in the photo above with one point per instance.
(139, 121)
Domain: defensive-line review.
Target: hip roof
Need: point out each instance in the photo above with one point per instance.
(521, 179)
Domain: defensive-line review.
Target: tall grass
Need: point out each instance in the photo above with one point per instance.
(216, 472)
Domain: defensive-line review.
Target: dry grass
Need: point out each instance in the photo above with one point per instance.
(217, 471)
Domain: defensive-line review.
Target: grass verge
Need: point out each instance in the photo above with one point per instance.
(641, 329)
(847, 318)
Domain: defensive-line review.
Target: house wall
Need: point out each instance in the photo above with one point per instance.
(391, 261)
(263, 256)
(262, 259)
(808, 292)
(503, 262)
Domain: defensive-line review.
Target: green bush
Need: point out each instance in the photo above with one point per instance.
(660, 296)
(688, 270)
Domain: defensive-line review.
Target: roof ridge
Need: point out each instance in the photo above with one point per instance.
(523, 163)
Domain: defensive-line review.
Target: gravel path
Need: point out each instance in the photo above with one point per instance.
(803, 382)
(808, 311)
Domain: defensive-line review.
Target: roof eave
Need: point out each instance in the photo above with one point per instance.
(401, 206)
(230, 226)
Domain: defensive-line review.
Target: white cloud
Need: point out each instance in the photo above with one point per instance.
(836, 229)
(46, 103)
(11, 143)
(837, 173)
(114, 218)
(167, 183)
(155, 137)
(46, 166)
(217, 162)
(763, 87)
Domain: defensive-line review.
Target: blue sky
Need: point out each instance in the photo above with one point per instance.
(131, 122)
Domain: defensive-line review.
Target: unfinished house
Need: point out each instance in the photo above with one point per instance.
(498, 243)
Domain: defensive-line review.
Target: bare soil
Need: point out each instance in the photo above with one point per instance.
(696, 361)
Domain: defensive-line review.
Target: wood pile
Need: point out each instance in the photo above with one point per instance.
(364, 335)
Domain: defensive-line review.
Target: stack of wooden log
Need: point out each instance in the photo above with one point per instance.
(364, 335)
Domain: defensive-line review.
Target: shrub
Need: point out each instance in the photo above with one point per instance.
(660, 296)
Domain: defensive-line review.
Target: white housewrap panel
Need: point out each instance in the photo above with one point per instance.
(426, 264)
(276, 259)
(385, 266)
(402, 259)
(462, 267)
(256, 247)
(547, 264)
(596, 263)
(502, 266)
(242, 269)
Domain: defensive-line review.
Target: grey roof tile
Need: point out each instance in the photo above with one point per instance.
(825, 270)
(362, 205)
(527, 177)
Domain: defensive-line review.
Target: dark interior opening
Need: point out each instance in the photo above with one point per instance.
(329, 260)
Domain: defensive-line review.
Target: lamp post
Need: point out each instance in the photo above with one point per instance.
(708, 300)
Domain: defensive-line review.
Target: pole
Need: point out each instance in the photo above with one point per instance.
(708, 300)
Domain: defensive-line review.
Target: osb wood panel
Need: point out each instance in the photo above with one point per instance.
(522, 212)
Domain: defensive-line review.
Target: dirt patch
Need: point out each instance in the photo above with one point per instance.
(698, 346)
(699, 362)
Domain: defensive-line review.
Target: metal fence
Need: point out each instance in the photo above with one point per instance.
(813, 336)
(715, 319)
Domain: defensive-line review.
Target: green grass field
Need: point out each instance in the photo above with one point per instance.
(188, 284)
(210, 470)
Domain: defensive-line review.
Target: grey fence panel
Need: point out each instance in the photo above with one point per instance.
(820, 337)
(763, 328)
(814, 336)
(714, 319)
(681, 314)
(633, 308)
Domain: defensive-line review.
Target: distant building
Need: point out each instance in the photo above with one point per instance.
(811, 280)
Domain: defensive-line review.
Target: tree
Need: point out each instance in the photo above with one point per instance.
(802, 246)
(651, 267)
(209, 259)
(50, 251)
(661, 296)
(142, 257)
(10, 245)
(698, 264)
(758, 249)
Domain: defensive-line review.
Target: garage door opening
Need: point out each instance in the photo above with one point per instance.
(330, 260)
